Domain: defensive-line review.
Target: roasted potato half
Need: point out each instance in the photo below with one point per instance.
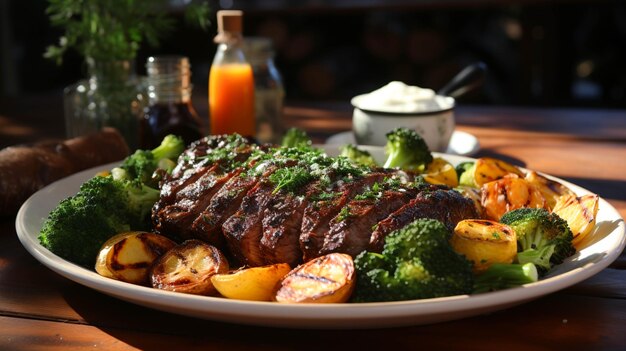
(503, 195)
(326, 279)
(484, 242)
(188, 268)
(129, 255)
(256, 283)
(580, 214)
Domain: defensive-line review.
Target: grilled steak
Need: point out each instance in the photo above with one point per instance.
(233, 194)
(321, 210)
(441, 203)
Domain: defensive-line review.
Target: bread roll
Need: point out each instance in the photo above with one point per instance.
(24, 169)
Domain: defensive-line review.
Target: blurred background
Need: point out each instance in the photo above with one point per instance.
(539, 53)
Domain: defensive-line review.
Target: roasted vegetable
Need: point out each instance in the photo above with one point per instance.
(417, 262)
(503, 276)
(142, 164)
(550, 189)
(543, 238)
(295, 137)
(485, 170)
(580, 214)
(256, 283)
(188, 268)
(78, 227)
(128, 256)
(484, 242)
(406, 150)
(358, 156)
(441, 172)
(503, 195)
(326, 279)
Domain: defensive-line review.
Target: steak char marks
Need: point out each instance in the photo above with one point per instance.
(225, 191)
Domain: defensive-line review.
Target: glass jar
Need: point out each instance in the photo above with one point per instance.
(269, 92)
(113, 96)
(169, 109)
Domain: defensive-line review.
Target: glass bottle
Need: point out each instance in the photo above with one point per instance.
(169, 109)
(269, 92)
(231, 82)
(113, 96)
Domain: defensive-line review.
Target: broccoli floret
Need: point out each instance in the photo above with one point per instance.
(465, 172)
(503, 276)
(295, 137)
(543, 238)
(76, 229)
(142, 164)
(417, 262)
(407, 150)
(358, 156)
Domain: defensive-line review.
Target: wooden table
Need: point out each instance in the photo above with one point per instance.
(40, 310)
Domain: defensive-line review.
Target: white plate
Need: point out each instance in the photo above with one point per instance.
(461, 143)
(607, 243)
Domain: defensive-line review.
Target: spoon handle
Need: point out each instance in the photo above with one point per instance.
(470, 78)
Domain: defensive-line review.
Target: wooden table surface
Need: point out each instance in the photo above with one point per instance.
(40, 310)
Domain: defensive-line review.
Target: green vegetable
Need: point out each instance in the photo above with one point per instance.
(407, 150)
(417, 262)
(358, 156)
(543, 238)
(465, 172)
(290, 179)
(76, 229)
(295, 137)
(142, 164)
(502, 276)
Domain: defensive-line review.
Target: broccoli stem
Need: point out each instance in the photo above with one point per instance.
(502, 276)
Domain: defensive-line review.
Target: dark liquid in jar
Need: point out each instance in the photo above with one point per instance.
(162, 119)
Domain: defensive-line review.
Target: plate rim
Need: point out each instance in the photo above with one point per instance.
(450, 151)
(312, 316)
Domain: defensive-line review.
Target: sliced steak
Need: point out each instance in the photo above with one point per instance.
(351, 229)
(441, 203)
(321, 210)
(244, 229)
(178, 219)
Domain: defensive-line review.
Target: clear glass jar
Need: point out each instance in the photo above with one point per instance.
(169, 109)
(113, 96)
(269, 91)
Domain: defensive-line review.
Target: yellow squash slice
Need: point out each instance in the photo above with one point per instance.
(488, 169)
(256, 283)
(441, 172)
(580, 214)
(550, 189)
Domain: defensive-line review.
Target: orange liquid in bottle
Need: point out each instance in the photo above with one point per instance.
(231, 99)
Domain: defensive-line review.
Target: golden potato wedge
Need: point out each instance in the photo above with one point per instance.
(488, 169)
(484, 242)
(441, 172)
(503, 195)
(550, 189)
(255, 284)
(579, 213)
(326, 279)
(188, 268)
(129, 255)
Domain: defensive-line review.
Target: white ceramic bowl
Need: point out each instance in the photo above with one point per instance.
(435, 125)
